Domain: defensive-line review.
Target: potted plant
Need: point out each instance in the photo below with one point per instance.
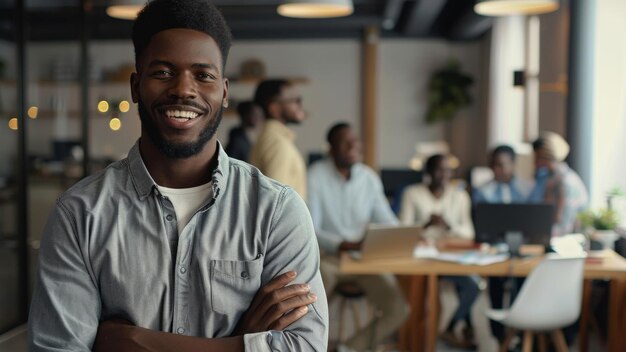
(600, 225)
(448, 91)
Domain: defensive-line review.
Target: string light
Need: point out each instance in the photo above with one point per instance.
(13, 123)
(124, 106)
(103, 106)
(115, 124)
(32, 112)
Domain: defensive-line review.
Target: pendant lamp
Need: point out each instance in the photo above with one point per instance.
(125, 9)
(515, 7)
(315, 8)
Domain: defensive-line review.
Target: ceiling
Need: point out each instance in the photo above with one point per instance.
(49, 20)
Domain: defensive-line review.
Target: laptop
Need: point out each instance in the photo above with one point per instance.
(389, 242)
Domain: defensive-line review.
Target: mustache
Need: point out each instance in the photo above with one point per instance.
(189, 103)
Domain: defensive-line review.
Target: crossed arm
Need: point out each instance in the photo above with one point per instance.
(275, 306)
(66, 302)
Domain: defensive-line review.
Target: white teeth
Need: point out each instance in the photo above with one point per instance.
(181, 114)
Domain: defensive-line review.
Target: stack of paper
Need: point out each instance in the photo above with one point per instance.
(466, 258)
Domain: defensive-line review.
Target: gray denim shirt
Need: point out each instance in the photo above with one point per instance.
(111, 249)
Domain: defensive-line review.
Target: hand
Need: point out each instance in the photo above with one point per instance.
(276, 305)
(350, 246)
(116, 335)
(437, 220)
(121, 336)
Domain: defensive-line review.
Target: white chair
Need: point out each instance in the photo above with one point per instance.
(549, 300)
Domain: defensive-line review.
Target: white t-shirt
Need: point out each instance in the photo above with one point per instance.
(187, 201)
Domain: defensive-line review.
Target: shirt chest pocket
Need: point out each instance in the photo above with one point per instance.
(234, 284)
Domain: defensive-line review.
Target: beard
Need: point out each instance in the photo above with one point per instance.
(175, 150)
(344, 162)
(290, 119)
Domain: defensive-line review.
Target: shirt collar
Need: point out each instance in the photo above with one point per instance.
(280, 128)
(333, 167)
(144, 183)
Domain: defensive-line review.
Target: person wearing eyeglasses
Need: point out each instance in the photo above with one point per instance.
(275, 152)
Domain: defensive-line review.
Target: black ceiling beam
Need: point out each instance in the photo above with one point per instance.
(469, 26)
(393, 8)
(422, 17)
(289, 24)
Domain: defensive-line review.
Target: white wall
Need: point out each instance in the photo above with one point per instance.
(404, 73)
(332, 92)
(609, 116)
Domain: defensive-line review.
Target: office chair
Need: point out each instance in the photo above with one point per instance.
(550, 299)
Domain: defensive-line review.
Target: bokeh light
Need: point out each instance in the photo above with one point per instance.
(124, 106)
(115, 124)
(103, 106)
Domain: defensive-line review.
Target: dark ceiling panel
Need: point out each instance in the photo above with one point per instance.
(257, 19)
(393, 8)
(422, 16)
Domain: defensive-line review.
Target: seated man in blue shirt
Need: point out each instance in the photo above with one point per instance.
(505, 186)
(344, 197)
(178, 247)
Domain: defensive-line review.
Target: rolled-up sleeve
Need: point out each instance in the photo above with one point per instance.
(66, 306)
(292, 246)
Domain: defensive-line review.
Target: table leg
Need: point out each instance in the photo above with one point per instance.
(583, 330)
(412, 332)
(617, 311)
(433, 313)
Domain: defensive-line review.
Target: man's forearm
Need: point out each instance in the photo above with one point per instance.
(116, 336)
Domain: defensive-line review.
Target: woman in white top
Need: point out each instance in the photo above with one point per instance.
(444, 212)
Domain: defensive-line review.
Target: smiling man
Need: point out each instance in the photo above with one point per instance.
(179, 247)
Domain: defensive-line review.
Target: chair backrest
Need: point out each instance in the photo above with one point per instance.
(551, 296)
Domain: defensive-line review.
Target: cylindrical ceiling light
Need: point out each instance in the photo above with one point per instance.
(515, 7)
(315, 8)
(125, 9)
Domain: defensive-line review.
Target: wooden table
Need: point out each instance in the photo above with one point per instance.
(421, 286)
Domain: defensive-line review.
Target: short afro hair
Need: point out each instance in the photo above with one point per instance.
(331, 136)
(504, 149)
(433, 162)
(268, 91)
(245, 108)
(199, 15)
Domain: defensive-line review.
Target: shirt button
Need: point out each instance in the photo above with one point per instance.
(244, 274)
(169, 217)
(180, 330)
(183, 270)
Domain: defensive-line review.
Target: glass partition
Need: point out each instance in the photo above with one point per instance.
(10, 295)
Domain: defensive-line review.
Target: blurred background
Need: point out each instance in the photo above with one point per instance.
(66, 112)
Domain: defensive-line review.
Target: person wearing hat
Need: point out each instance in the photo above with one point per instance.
(557, 183)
